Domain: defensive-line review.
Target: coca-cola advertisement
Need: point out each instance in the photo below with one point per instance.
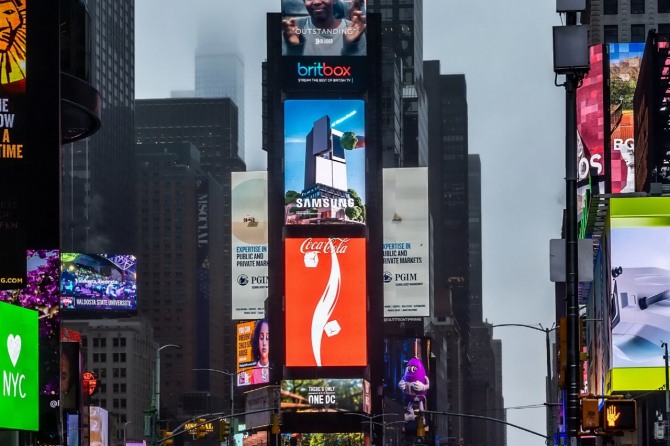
(325, 302)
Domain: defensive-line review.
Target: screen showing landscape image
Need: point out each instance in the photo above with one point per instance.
(98, 282)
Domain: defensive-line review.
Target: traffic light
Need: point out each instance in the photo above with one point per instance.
(619, 415)
(275, 424)
(167, 441)
(420, 427)
(590, 415)
(224, 430)
(201, 429)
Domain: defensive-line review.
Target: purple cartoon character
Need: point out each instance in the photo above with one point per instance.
(414, 385)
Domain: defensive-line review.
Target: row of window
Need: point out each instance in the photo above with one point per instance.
(102, 357)
(637, 32)
(102, 342)
(611, 7)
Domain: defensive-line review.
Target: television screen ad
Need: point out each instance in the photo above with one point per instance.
(99, 426)
(19, 363)
(324, 162)
(253, 352)
(405, 215)
(640, 290)
(322, 395)
(39, 300)
(249, 235)
(323, 28)
(72, 426)
(13, 126)
(70, 371)
(325, 302)
(98, 282)
(407, 375)
(624, 71)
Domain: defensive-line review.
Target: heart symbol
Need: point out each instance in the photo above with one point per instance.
(14, 348)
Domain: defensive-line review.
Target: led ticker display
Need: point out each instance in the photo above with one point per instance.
(324, 151)
(325, 302)
(322, 395)
(325, 28)
(98, 282)
(639, 240)
(625, 62)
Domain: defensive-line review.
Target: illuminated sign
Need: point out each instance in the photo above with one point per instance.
(324, 151)
(639, 310)
(405, 216)
(89, 382)
(98, 282)
(19, 368)
(249, 249)
(322, 395)
(619, 415)
(323, 28)
(253, 352)
(624, 69)
(326, 309)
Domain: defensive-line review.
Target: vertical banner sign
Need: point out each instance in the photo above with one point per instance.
(405, 216)
(13, 172)
(625, 62)
(326, 307)
(253, 352)
(249, 242)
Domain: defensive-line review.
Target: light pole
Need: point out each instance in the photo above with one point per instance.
(546, 331)
(158, 379)
(124, 432)
(232, 376)
(370, 420)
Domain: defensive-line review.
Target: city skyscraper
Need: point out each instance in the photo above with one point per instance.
(97, 171)
(613, 21)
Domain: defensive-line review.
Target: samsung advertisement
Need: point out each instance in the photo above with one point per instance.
(405, 215)
(249, 249)
(325, 302)
(324, 151)
(98, 282)
(639, 241)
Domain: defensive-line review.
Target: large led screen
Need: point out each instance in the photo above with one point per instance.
(325, 302)
(625, 62)
(253, 352)
(405, 216)
(324, 162)
(39, 301)
(322, 395)
(639, 241)
(406, 374)
(249, 235)
(98, 282)
(323, 28)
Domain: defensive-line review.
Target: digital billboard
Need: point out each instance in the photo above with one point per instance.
(405, 216)
(99, 426)
(639, 240)
(253, 352)
(19, 365)
(324, 28)
(322, 395)
(39, 300)
(325, 302)
(13, 125)
(591, 122)
(98, 282)
(624, 70)
(324, 162)
(249, 249)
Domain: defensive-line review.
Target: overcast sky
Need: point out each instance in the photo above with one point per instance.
(516, 125)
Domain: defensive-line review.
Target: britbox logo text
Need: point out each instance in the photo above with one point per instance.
(320, 69)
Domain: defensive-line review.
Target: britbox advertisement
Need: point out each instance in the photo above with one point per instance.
(249, 248)
(324, 162)
(325, 297)
(405, 216)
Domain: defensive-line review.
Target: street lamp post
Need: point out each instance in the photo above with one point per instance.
(158, 379)
(232, 376)
(125, 442)
(548, 380)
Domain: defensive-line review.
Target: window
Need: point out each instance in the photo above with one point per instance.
(637, 33)
(663, 6)
(611, 34)
(611, 7)
(664, 28)
(637, 7)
